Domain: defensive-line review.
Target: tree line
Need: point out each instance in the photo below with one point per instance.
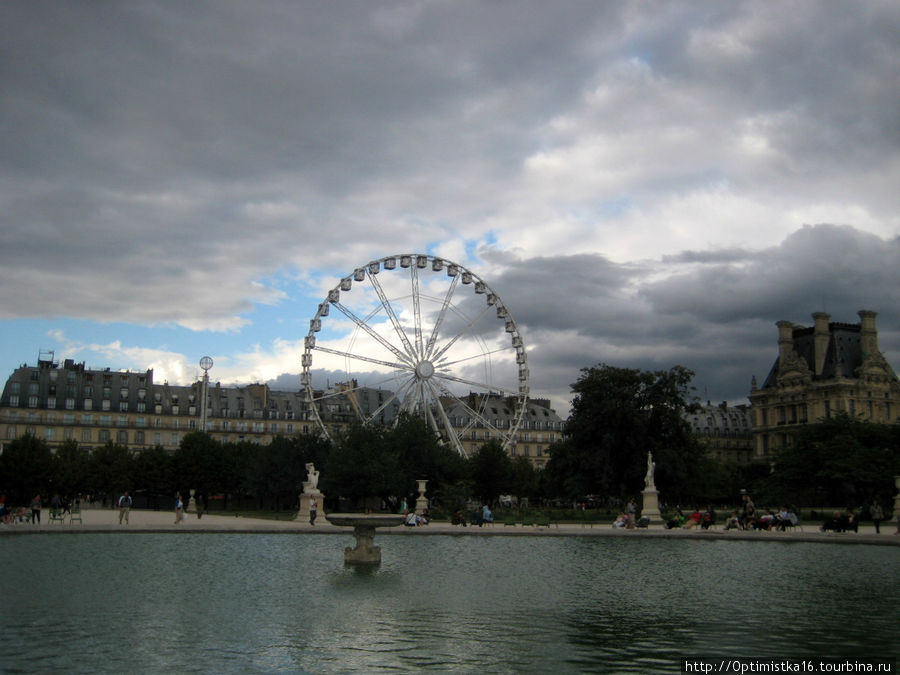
(618, 416)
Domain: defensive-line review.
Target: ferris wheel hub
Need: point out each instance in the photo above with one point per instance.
(424, 369)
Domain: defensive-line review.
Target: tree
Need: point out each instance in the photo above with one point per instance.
(363, 464)
(110, 469)
(491, 470)
(618, 416)
(839, 461)
(70, 468)
(26, 468)
(154, 474)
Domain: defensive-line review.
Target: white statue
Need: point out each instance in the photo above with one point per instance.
(312, 476)
(651, 467)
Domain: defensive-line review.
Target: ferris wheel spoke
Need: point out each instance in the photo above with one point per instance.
(445, 364)
(477, 416)
(452, 436)
(388, 308)
(473, 383)
(417, 309)
(360, 357)
(393, 397)
(440, 318)
(456, 337)
(371, 332)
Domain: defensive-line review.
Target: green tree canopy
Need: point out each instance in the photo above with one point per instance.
(491, 470)
(26, 469)
(837, 462)
(618, 416)
(110, 469)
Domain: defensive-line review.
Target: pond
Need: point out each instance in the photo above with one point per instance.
(286, 603)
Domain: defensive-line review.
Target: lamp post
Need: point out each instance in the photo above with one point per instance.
(205, 363)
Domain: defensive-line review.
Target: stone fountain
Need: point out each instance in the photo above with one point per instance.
(364, 524)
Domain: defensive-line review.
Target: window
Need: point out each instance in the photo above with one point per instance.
(123, 406)
(70, 404)
(123, 392)
(87, 419)
(122, 437)
(88, 391)
(32, 401)
(175, 439)
(11, 432)
(14, 401)
(33, 388)
(88, 404)
(103, 435)
(105, 420)
(123, 421)
(139, 437)
(141, 407)
(68, 419)
(14, 388)
(141, 421)
(105, 404)
(192, 424)
(68, 433)
(86, 435)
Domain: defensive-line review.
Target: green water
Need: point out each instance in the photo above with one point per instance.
(286, 603)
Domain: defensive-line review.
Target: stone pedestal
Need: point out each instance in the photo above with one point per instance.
(303, 511)
(364, 524)
(421, 500)
(192, 504)
(650, 507)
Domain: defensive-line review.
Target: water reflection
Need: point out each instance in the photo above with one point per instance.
(286, 603)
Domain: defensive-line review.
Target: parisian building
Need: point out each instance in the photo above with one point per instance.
(59, 402)
(726, 431)
(822, 370)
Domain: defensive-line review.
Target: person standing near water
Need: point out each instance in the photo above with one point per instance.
(313, 508)
(124, 507)
(179, 509)
(36, 509)
(877, 514)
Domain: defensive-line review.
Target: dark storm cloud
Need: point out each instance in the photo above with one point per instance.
(626, 166)
(717, 318)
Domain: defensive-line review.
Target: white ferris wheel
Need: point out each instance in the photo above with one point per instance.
(424, 335)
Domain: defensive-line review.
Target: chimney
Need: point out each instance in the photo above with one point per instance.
(868, 333)
(785, 342)
(821, 338)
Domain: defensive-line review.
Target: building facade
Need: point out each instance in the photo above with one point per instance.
(725, 431)
(59, 402)
(823, 370)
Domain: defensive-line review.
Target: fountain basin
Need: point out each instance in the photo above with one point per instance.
(364, 524)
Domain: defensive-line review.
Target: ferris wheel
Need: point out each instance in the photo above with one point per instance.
(423, 335)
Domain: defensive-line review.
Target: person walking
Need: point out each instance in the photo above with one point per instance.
(36, 509)
(877, 514)
(124, 507)
(179, 509)
(313, 510)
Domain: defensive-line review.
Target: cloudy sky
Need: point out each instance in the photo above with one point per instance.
(643, 183)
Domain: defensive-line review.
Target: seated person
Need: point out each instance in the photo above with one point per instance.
(733, 522)
(709, 518)
(458, 518)
(675, 521)
(850, 520)
(486, 515)
(693, 520)
(766, 520)
(621, 520)
(411, 519)
(835, 523)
